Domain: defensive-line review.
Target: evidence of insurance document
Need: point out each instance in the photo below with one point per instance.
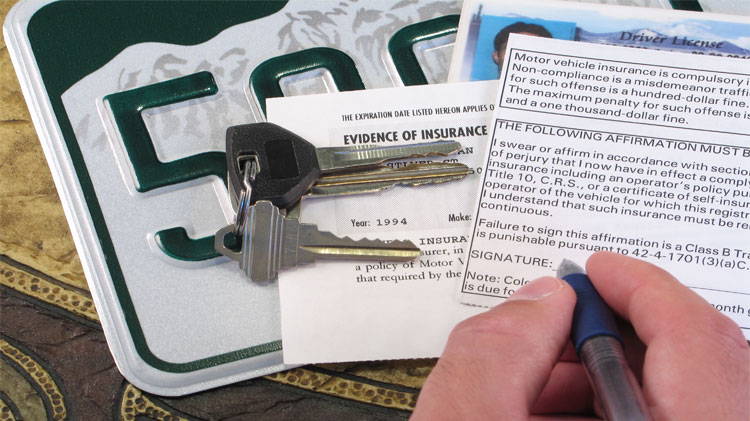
(596, 147)
(358, 310)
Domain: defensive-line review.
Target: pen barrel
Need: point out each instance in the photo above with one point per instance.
(615, 385)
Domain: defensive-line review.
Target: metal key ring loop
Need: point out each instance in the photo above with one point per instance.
(249, 171)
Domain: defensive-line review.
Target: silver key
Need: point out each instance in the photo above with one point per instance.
(288, 165)
(382, 178)
(271, 242)
(339, 158)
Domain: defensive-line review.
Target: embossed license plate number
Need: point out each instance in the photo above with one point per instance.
(132, 109)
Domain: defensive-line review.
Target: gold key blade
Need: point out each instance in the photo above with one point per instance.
(314, 244)
(272, 242)
(385, 177)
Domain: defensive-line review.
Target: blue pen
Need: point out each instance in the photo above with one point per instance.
(600, 349)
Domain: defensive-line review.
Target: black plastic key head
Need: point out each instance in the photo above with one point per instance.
(287, 164)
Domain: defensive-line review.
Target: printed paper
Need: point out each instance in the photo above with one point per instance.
(597, 147)
(345, 311)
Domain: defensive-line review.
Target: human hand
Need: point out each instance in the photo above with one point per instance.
(516, 360)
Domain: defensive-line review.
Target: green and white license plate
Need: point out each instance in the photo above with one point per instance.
(131, 100)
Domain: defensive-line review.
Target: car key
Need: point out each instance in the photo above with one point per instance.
(288, 165)
(382, 178)
(271, 242)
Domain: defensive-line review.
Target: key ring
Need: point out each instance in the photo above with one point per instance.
(249, 171)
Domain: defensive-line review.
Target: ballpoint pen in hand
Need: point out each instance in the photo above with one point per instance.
(600, 349)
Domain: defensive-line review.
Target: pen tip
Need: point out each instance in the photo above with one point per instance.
(568, 267)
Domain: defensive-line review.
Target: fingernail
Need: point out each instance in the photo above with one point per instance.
(537, 289)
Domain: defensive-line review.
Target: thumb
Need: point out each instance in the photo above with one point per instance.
(496, 364)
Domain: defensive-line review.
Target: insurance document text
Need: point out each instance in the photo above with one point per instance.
(595, 147)
(348, 310)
